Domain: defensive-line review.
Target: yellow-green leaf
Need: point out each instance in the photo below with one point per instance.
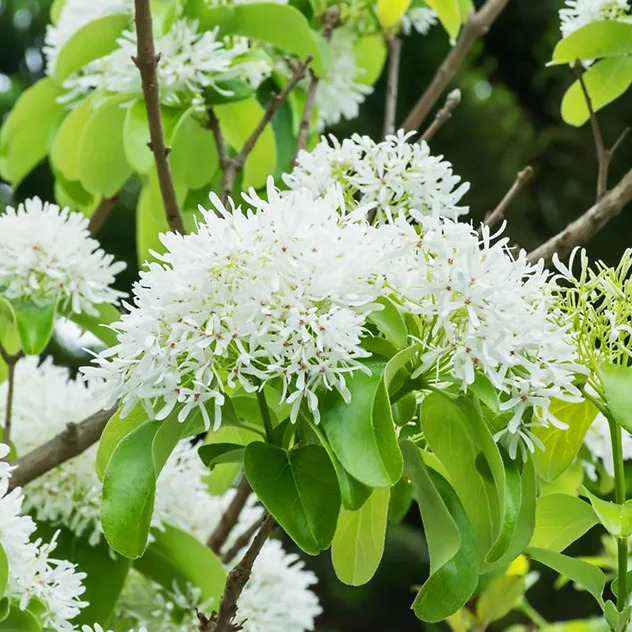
(390, 12)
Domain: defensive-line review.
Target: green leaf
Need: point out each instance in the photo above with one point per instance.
(213, 454)
(129, 484)
(560, 520)
(20, 621)
(608, 38)
(4, 570)
(299, 488)
(582, 573)
(485, 391)
(282, 26)
(64, 154)
(34, 324)
(451, 543)
(227, 91)
(370, 55)
(400, 500)
(618, 621)
(103, 167)
(562, 445)
(237, 121)
(97, 325)
(29, 129)
(358, 545)
(466, 7)
(617, 386)
(116, 429)
(176, 558)
(616, 519)
(500, 596)
(95, 39)
(390, 322)
(390, 12)
(404, 409)
(605, 81)
(362, 432)
(449, 13)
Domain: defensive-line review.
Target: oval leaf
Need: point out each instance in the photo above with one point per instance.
(617, 385)
(34, 324)
(607, 38)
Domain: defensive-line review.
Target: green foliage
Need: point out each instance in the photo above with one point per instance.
(64, 154)
(390, 323)
(616, 519)
(449, 12)
(561, 445)
(98, 324)
(560, 520)
(499, 598)
(617, 385)
(299, 488)
(213, 454)
(20, 621)
(34, 323)
(608, 38)
(370, 56)
(28, 130)
(358, 544)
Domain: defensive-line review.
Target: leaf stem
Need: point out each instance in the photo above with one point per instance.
(265, 413)
(10, 360)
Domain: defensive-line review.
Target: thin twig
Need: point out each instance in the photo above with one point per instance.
(394, 44)
(444, 114)
(240, 543)
(101, 214)
(10, 360)
(476, 26)
(498, 214)
(73, 440)
(593, 220)
(232, 166)
(230, 517)
(224, 619)
(330, 20)
(147, 61)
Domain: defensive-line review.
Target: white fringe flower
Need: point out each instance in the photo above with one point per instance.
(598, 442)
(395, 175)
(33, 573)
(422, 19)
(46, 254)
(280, 290)
(578, 13)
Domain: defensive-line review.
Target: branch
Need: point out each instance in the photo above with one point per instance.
(73, 440)
(593, 220)
(101, 214)
(232, 166)
(392, 83)
(10, 360)
(444, 114)
(230, 517)
(498, 214)
(476, 26)
(223, 620)
(146, 61)
(240, 543)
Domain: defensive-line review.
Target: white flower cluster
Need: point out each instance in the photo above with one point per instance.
(598, 442)
(578, 13)
(280, 290)
(33, 573)
(485, 311)
(341, 91)
(394, 175)
(46, 254)
(422, 19)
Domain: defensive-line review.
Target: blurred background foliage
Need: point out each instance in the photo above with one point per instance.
(508, 118)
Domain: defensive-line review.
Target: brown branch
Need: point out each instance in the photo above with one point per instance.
(394, 44)
(10, 360)
(101, 213)
(240, 543)
(593, 220)
(230, 517)
(224, 619)
(476, 26)
(444, 114)
(498, 214)
(73, 440)
(147, 61)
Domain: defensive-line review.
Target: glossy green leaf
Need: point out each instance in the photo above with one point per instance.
(299, 488)
(283, 26)
(390, 323)
(616, 519)
(617, 620)
(606, 80)
(227, 91)
(98, 324)
(358, 545)
(237, 121)
(370, 56)
(400, 500)
(617, 385)
(451, 542)
(4, 570)
(560, 520)
(485, 391)
(582, 573)
(103, 167)
(561, 445)
(64, 152)
(29, 129)
(176, 558)
(213, 454)
(449, 13)
(608, 38)
(404, 409)
(34, 324)
(500, 596)
(19, 621)
(362, 432)
(129, 484)
(193, 156)
(95, 39)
